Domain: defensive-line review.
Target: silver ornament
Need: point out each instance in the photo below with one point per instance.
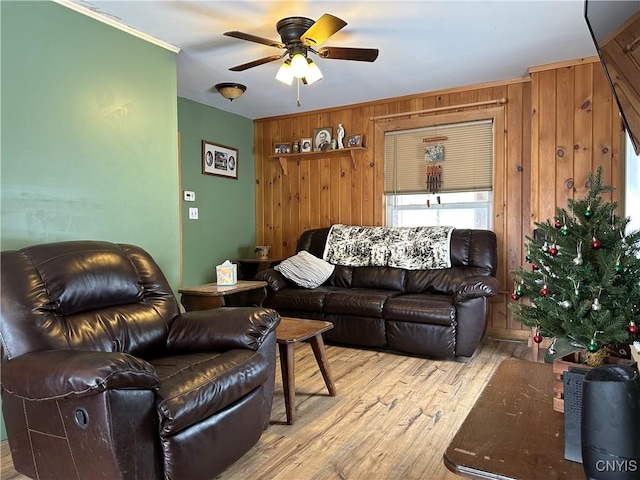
(565, 304)
(578, 260)
(596, 305)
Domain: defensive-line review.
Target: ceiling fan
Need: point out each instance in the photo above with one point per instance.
(299, 36)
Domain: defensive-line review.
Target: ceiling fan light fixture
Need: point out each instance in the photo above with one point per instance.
(230, 90)
(285, 73)
(299, 65)
(313, 73)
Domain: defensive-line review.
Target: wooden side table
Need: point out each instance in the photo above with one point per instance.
(289, 332)
(210, 295)
(512, 431)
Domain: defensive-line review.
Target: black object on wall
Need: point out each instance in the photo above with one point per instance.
(611, 423)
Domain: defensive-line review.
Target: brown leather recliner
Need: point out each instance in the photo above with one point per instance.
(103, 377)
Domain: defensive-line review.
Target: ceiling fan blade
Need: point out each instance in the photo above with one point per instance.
(346, 53)
(326, 26)
(254, 38)
(255, 63)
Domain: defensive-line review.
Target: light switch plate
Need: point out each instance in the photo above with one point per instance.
(193, 213)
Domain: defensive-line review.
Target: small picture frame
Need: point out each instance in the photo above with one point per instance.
(219, 160)
(434, 153)
(322, 138)
(306, 145)
(281, 147)
(354, 141)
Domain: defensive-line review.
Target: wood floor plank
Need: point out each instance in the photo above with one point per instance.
(392, 419)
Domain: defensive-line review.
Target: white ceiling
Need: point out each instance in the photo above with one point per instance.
(425, 45)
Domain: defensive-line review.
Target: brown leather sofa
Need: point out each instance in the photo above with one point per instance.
(103, 377)
(441, 312)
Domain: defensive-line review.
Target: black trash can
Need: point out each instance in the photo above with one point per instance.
(611, 423)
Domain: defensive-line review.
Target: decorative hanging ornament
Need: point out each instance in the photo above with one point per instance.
(519, 290)
(528, 256)
(553, 250)
(618, 268)
(592, 347)
(565, 304)
(537, 338)
(545, 247)
(535, 267)
(595, 243)
(595, 306)
(544, 291)
(557, 224)
(564, 230)
(588, 213)
(632, 328)
(578, 260)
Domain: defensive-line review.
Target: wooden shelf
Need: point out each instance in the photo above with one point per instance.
(283, 157)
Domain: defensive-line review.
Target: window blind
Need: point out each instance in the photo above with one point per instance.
(467, 165)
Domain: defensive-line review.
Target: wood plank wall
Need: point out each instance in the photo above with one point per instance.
(319, 191)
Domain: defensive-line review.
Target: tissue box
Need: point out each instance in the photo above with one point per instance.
(226, 274)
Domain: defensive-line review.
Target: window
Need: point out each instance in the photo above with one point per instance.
(463, 199)
(632, 185)
(461, 210)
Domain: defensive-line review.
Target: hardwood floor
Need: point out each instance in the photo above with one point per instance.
(393, 418)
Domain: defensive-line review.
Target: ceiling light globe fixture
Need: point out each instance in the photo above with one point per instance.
(230, 90)
(313, 73)
(298, 65)
(285, 73)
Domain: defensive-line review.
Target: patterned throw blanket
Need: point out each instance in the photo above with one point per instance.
(411, 248)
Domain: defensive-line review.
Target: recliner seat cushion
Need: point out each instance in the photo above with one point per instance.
(358, 302)
(421, 308)
(300, 299)
(194, 387)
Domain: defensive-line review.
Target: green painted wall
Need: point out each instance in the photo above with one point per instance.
(89, 134)
(226, 225)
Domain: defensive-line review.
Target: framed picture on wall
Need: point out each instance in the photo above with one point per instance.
(282, 148)
(305, 145)
(354, 141)
(322, 138)
(219, 160)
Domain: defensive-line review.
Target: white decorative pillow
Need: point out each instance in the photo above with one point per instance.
(305, 269)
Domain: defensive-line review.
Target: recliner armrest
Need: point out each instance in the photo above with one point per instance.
(475, 287)
(222, 329)
(63, 373)
(274, 278)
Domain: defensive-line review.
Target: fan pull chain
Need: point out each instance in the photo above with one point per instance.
(298, 99)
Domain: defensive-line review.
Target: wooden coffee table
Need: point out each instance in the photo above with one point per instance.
(512, 431)
(211, 295)
(289, 332)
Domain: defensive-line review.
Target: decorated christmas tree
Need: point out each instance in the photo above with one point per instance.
(581, 279)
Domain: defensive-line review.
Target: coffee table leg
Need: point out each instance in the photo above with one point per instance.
(321, 357)
(287, 361)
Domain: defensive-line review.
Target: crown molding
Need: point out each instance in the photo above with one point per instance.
(116, 24)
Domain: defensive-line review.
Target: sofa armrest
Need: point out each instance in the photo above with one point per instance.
(274, 279)
(475, 287)
(54, 374)
(222, 329)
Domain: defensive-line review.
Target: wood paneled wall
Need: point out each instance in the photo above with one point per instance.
(319, 191)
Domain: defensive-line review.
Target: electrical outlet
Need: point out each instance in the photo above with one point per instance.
(193, 213)
(189, 196)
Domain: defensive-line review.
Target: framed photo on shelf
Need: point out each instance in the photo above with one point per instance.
(322, 138)
(282, 148)
(305, 145)
(354, 141)
(219, 160)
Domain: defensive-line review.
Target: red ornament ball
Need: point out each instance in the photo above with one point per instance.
(537, 338)
(632, 329)
(596, 244)
(534, 266)
(553, 251)
(514, 296)
(544, 292)
(557, 224)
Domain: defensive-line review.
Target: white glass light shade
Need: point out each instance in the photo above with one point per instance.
(299, 65)
(285, 73)
(313, 73)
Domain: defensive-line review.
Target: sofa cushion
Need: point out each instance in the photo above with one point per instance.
(309, 300)
(194, 387)
(385, 278)
(421, 308)
(305, 269)
(358, 302)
